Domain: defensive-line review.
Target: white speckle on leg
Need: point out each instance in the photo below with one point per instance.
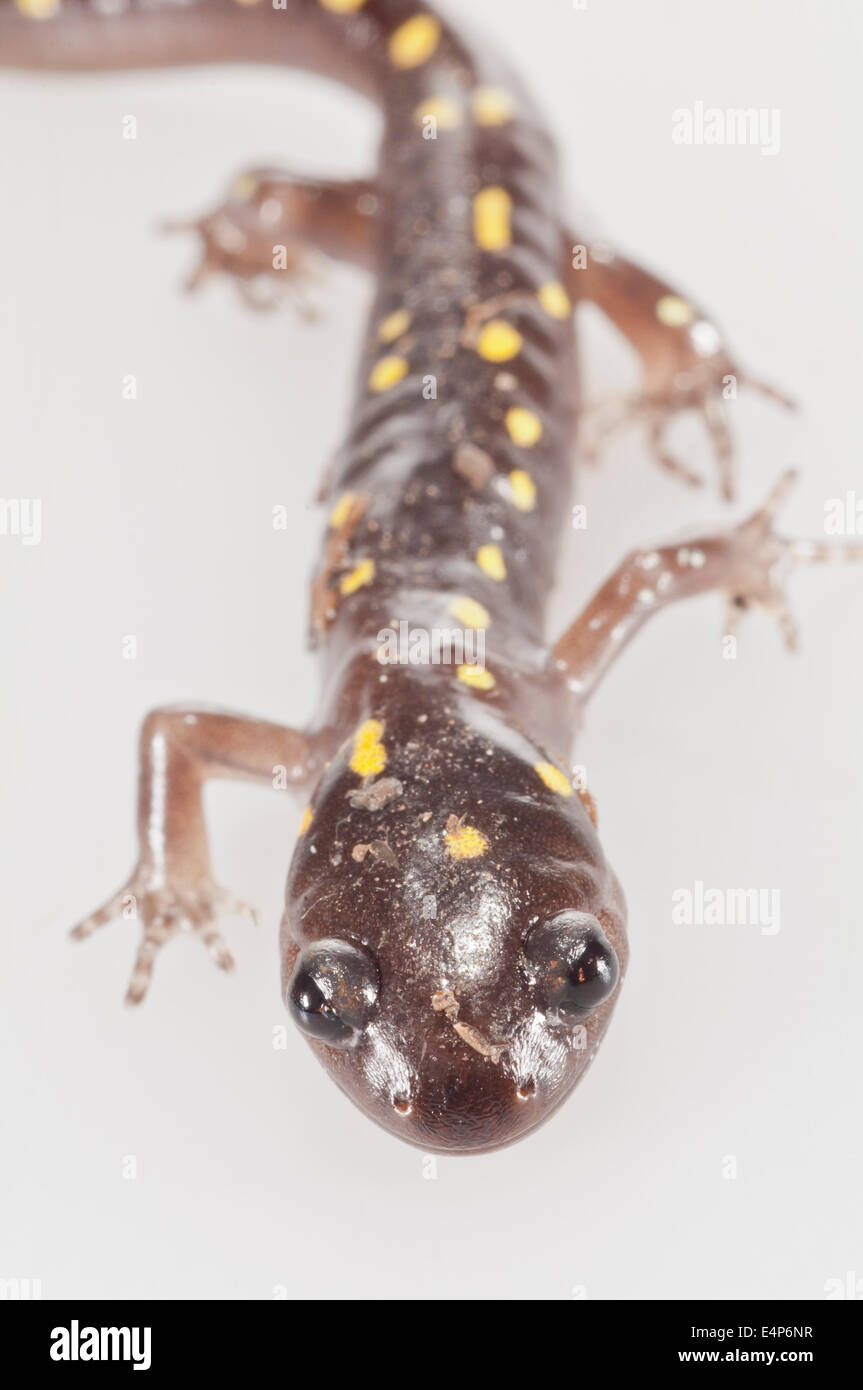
(705, 338)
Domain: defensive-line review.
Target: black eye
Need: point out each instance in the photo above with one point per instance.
(574, 964)
(333, 991)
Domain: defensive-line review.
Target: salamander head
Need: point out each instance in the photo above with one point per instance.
(453, 938)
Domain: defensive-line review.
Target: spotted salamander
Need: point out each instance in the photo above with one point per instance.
(453, 939)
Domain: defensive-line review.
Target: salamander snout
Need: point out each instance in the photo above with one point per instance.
(466, 1070)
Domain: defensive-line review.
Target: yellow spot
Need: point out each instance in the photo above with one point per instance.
(491, 562)
(369, 756)
(306, 821)
(674, 312)
(492, 209)
(524, 428)
(447, 113)
(465, 842)
(523, 490)
(477, 677)
(554, 779)
(394, 325)
(38, 9)
(414, 41)
(244, 188)
(342, 6)
(499, 341)
(387, 372)
(342, 510)
(248, 2)
(555, 300)
(469, 612)
(491, 106)
(363, 574)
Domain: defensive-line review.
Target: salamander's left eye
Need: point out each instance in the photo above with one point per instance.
(573, 962)
(333, 991)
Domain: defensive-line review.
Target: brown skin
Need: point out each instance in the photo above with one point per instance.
(432, 922)
(469, 987)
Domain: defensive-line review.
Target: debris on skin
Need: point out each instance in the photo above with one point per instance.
(444, 1001)
(378, 849)
(324, 601)
(373, 796)
(464, 841)
(473, 464)
(475, 1039)
(589, 804)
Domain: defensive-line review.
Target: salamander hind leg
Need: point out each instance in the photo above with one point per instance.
(685, 361)
(172, 889)
(270, 231)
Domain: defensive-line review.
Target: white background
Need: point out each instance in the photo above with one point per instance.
(253, 1171)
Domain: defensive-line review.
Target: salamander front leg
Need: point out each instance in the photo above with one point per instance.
(271, 228)
(172, 888)
(748, 564)
(686, 363)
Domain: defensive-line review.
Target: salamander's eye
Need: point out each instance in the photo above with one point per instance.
(573, 963)
(333, 991)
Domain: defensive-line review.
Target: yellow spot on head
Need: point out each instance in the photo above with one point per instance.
(342, 6)
(364, 573)
(414, 41)
(491, 562)
(555, 300)
(244, 188)
(492, 209)
(499, 341)
(342, 510)
(387, 372)
(673, 312)
(524, 428)
(38, 9)
(469, 612)
(446, 112)
(491, 106)
(369, 756)
(306, 821)
(477, 677)
(394, 325)
(522, 490)
(465, 842)
(248, 2)
(554, 779)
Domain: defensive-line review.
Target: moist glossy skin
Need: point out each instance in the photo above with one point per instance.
(394, 880)
(453, 939)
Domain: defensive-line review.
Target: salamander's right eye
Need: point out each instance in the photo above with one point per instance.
(333, 991)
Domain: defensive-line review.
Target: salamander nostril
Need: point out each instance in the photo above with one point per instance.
(403, 1105)
(526, 1090)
